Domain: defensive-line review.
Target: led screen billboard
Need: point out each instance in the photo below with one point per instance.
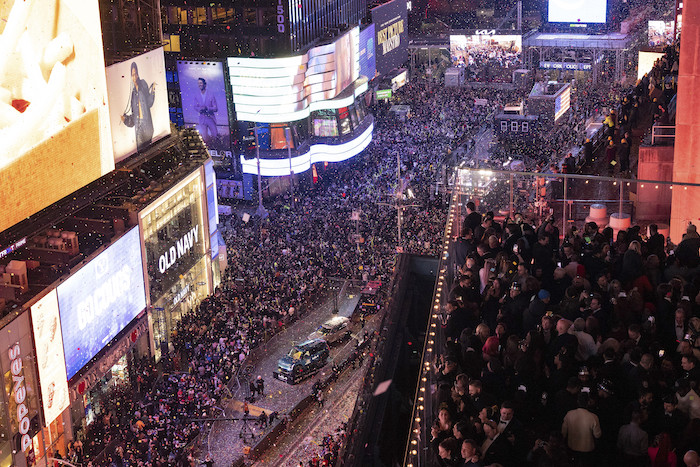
(391, 40)
(577, 11)
(277, 90)
(368, 63)
(203, 95)
(487, 57)
(660, 33)
(50, 360)
(54, 123)
(101, 299)
(138, 103)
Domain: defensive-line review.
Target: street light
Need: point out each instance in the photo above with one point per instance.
(289, 139)
(261, 211)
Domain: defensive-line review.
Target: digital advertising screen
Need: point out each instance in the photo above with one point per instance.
(660, 33)
(391, 39)
(646, 62)
(101, 299)
(54, 121)
(577, 11)
(138, 103)
(203, 94)
(50, 360)
(368, 63)
(487, 57)
(277, 90)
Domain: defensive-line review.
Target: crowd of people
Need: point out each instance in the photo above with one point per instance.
(575, 349)
(280, 266)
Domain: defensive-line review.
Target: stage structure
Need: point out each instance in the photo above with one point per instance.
(578, 52)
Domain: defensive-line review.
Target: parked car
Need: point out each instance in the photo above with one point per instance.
(302, 361)
(334, 330)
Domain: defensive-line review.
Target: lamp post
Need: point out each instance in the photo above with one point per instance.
(261, 211)
(289, 139)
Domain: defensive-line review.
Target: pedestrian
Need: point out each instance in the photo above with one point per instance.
(260, 385)
(253, 389)
(319, 398)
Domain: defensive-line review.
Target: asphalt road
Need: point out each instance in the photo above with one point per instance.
(224, 442)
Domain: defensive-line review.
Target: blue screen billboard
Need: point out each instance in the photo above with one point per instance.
(391, 35)
(204, 101)
(101, 299)
(368, 63)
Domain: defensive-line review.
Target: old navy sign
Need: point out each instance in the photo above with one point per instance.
(177, 251)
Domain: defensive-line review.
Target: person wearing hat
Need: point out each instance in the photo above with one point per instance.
(536, 310)
(513, 307)
(610, 412)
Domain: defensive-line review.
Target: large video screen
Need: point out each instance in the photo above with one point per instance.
(138, 103)
(577, 11)
(391, 43)
(487, 58)
(646, 62)
(101, 299)
(54, 123)
(368, 63)
(48, 341)
(277, 90)
(661, 33)
(204, 101)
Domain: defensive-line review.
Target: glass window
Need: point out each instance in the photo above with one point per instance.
(344, 120)
(504, 125)
(182, 15)
(514, 126)
(200, 15)
(525, 127)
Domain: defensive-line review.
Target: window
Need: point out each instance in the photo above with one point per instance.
(250, 16)
(514, 126)
(504, 125)
(525, 127)
(200, 15)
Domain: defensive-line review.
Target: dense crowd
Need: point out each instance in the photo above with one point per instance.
(574, 349)
(279, 267)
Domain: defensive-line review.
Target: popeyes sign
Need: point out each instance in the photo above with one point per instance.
(18, 394)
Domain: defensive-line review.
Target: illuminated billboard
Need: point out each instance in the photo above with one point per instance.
(138, 103)
(577, 11)
(279, 90)
(646, 62)
(204, 107)
(100, 299)
(391, 40)
(316, 153)
(50, 360)
(661, 33)
(487, 57)
(54, 123)
(368, 62)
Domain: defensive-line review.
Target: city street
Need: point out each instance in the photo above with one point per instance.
(228, 439)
